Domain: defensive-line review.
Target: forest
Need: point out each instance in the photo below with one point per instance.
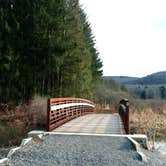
(46, 48)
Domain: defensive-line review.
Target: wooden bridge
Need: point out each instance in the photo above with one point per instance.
(61, 111)
(76, 135)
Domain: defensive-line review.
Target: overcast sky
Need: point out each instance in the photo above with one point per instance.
(130, 35)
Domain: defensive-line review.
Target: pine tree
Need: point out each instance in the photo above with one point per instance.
(46, 47)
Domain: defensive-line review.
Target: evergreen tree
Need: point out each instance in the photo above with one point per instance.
(162, 91)
(46, 47)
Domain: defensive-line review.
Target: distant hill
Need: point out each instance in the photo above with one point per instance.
(121, 79)
(152, 86)
(152, 79)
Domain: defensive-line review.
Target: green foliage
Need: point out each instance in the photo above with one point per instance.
(46, 47)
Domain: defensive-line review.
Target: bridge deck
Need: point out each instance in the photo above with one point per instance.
(94, 123)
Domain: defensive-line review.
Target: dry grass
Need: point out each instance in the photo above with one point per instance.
(38, 108)
(15, 122)
(10, 135)
(105, 108)
(149, 122)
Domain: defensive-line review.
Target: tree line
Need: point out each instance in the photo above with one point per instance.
(110, 92)
(46, 48)
(148, 91)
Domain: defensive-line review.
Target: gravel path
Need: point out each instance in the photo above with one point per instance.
(62, 150)
(155, 158)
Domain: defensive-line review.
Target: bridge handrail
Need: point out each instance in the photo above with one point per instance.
(124, 114)
(61, 110)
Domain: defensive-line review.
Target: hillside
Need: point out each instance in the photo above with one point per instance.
(121, 79)
(152, 79)
(152, 86)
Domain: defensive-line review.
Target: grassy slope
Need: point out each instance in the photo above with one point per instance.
(15, 122)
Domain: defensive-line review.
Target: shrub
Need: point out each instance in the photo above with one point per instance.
(10, 135)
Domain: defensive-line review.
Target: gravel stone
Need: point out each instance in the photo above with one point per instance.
(75, 150)
(4, 152)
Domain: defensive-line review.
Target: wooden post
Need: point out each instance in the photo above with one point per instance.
(124, 114)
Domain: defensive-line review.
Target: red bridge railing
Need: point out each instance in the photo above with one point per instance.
(61, 110)
(124, 114)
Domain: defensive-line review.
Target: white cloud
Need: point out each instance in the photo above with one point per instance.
(130, 35)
